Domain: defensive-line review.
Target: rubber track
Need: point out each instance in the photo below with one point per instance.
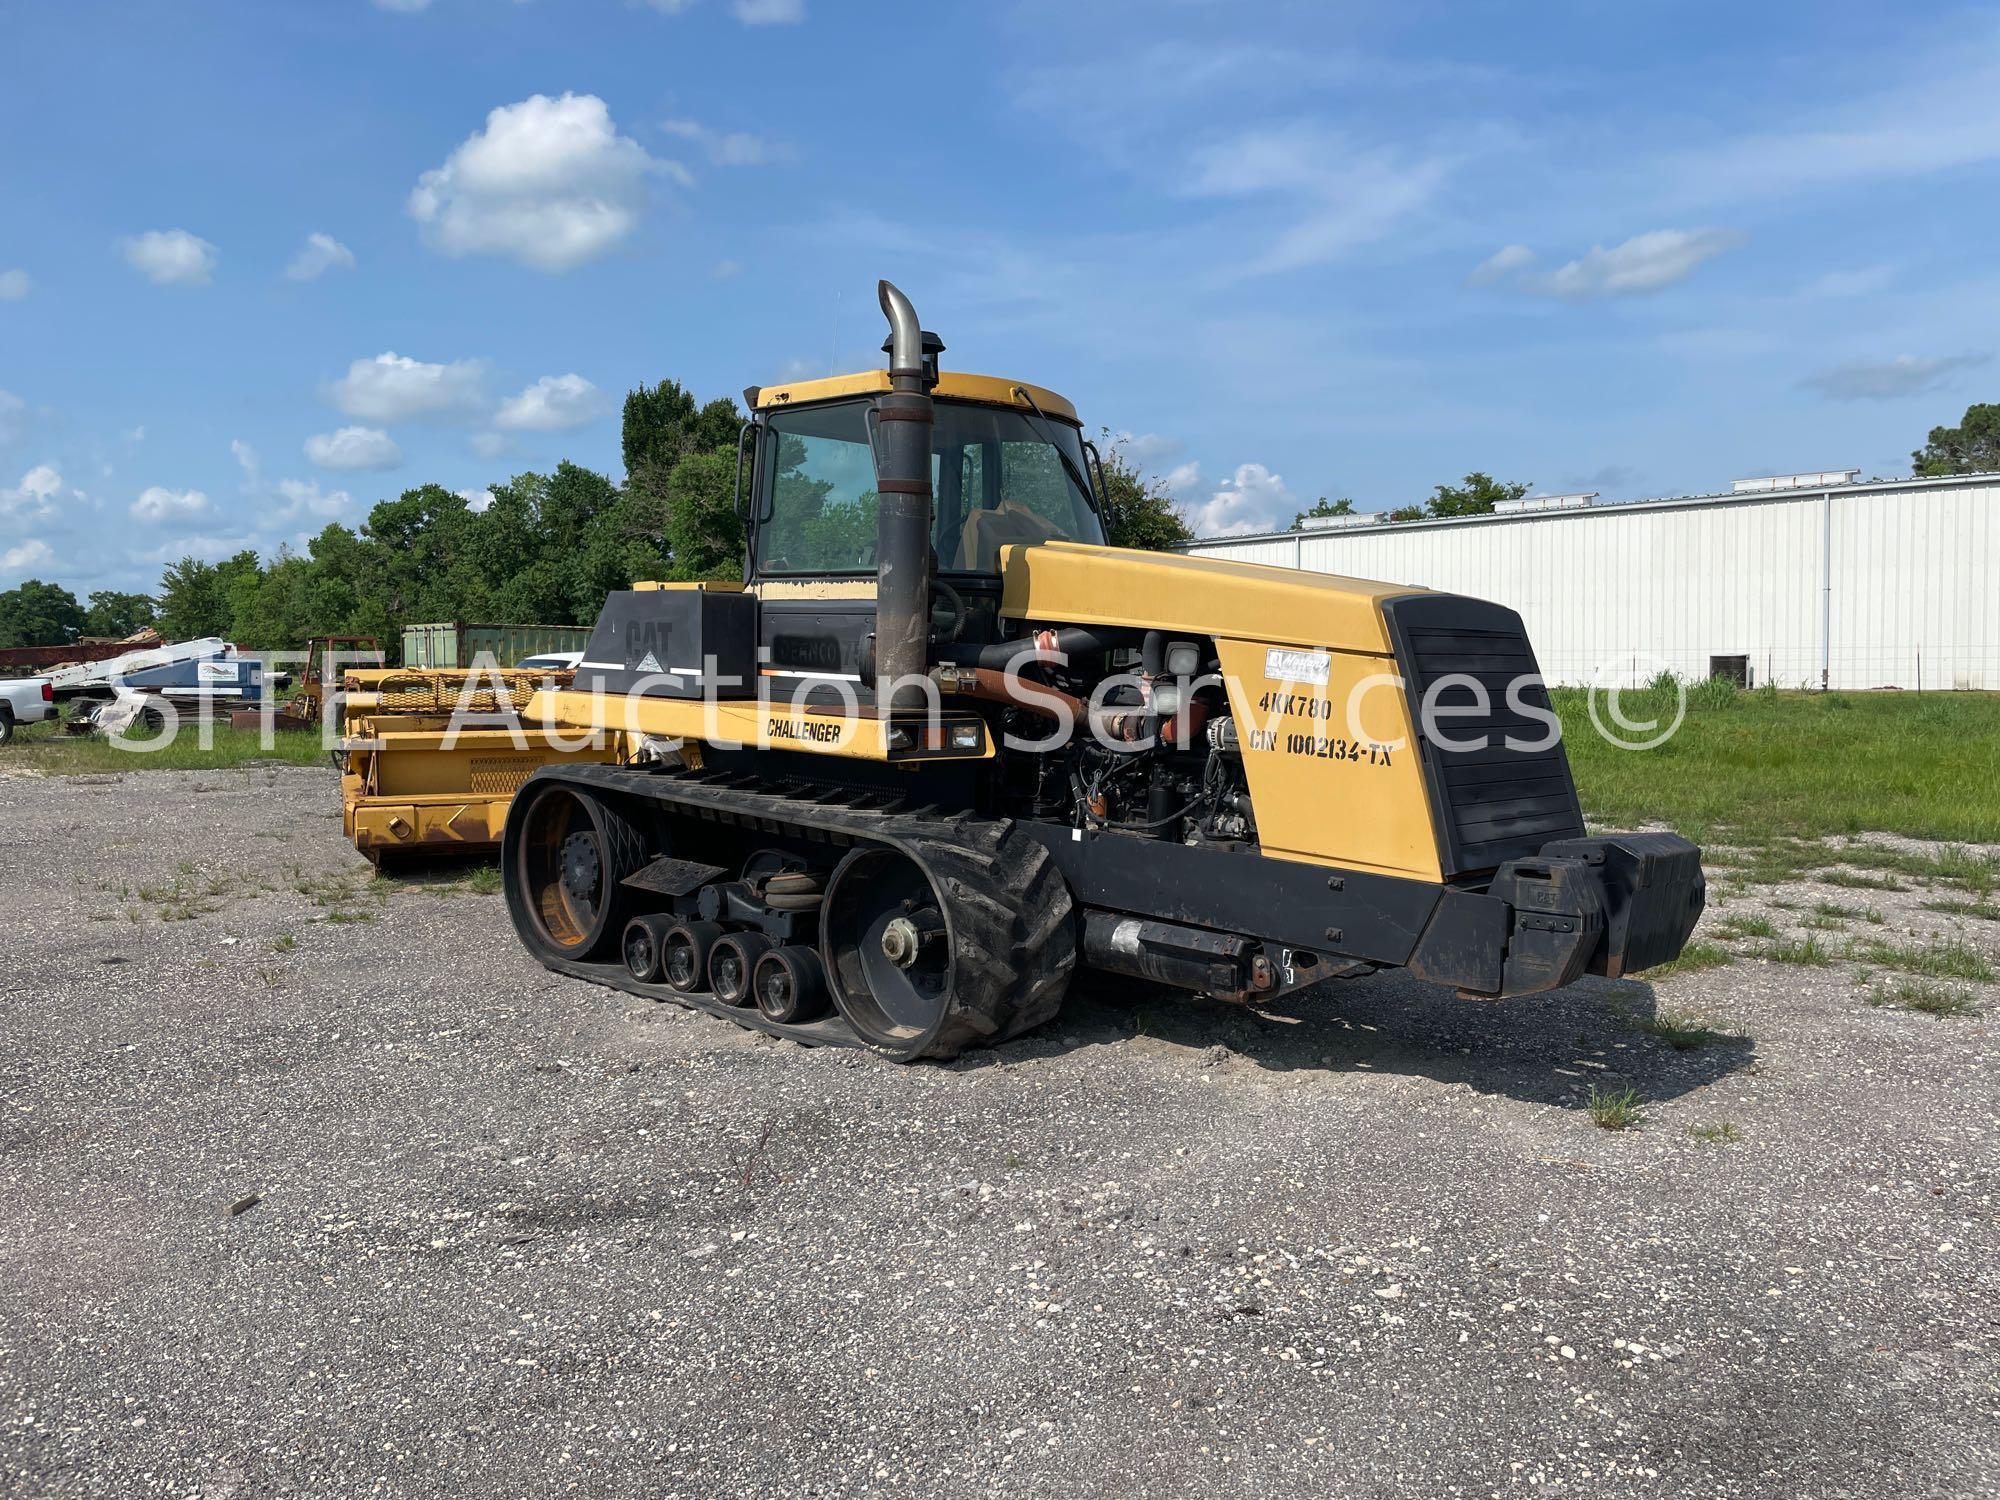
(1009, 911)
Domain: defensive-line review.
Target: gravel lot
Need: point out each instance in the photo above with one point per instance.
(521, 1235)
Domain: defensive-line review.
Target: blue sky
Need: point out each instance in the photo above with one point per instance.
(262, 264)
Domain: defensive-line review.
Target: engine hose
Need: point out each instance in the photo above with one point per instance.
(1072, 641)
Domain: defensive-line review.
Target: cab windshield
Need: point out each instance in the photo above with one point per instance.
(996, 481)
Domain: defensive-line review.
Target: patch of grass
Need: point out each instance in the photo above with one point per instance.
(1986, 911)
(1693, 958)
(1806, 952)
(1927, 999)
(1615, 1109)
(1940, 958)
(284, 942)
(44, 747)
(1682, 1030)
(1769, 764)
(1852, 881)
(1745, 926)
(484, 881)
(1721, 1134)
(343, 917)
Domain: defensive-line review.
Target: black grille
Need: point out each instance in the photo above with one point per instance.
(1495, 803)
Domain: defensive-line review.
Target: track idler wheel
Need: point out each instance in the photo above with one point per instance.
(645, 947)
(684, 952)
(731, 964)
(565, 871)
(790, 986)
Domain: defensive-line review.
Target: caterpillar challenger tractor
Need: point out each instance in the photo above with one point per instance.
(943, 748)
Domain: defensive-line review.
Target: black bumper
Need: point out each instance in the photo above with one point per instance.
(1612, 905)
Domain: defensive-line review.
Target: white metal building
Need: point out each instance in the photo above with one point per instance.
(1806, 581)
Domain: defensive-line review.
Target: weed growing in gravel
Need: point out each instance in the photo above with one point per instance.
(1695, 957)
(284, 942)
(1927, 999)
(1941, 958)
(344, 917)
(1745, 927)
(1805, 951)
(1849, 880)
(1615, 1109)
(1986, 911)
(1723, 1134)
(1682, 1030)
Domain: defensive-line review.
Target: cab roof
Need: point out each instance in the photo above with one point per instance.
(953, 385)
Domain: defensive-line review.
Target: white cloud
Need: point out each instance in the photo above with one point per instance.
(13, 416)
(768, 12)
(1645, 263)
(171, 257)
(1183, 480)
(159, 504)
(1502, 263)
(318, 255)
(33, 553)
(1889, 379)
(1252, 499)
(353, 448)
(1346, 194)
(13, 285)
(1146, 449)
(549, 183)
(303, 500)
(247, 460)
(728, 148)
(394, 388)
(555, 403)
(475, 499)
(489, 444)
(34, 497)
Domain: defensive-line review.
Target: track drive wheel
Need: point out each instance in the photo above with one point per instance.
(565, 871)
(962, 936)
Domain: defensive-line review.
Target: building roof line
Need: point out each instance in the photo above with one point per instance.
(1985, 478)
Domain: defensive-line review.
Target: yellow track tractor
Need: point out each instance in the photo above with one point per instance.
(944, 747)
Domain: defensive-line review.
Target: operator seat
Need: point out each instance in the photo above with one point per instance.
(1008, 524)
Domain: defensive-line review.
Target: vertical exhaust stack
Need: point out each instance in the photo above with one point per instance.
(904, 417)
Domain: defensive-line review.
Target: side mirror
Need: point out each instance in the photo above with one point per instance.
(1103, 496)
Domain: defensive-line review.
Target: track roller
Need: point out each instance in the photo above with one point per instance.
(684, 954)
(731, 963)
(790, 986)
(644, 946)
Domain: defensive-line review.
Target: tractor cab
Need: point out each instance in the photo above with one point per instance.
(1009, 467)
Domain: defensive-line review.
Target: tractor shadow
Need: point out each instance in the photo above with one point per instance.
(1539, 1049)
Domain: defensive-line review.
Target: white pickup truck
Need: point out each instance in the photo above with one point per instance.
(24, 700)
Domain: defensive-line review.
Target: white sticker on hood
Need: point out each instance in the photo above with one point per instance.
(1281, 665)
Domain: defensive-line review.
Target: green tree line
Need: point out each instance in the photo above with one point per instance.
(546, 550)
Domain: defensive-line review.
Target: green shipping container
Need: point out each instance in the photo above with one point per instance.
(456, 645)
